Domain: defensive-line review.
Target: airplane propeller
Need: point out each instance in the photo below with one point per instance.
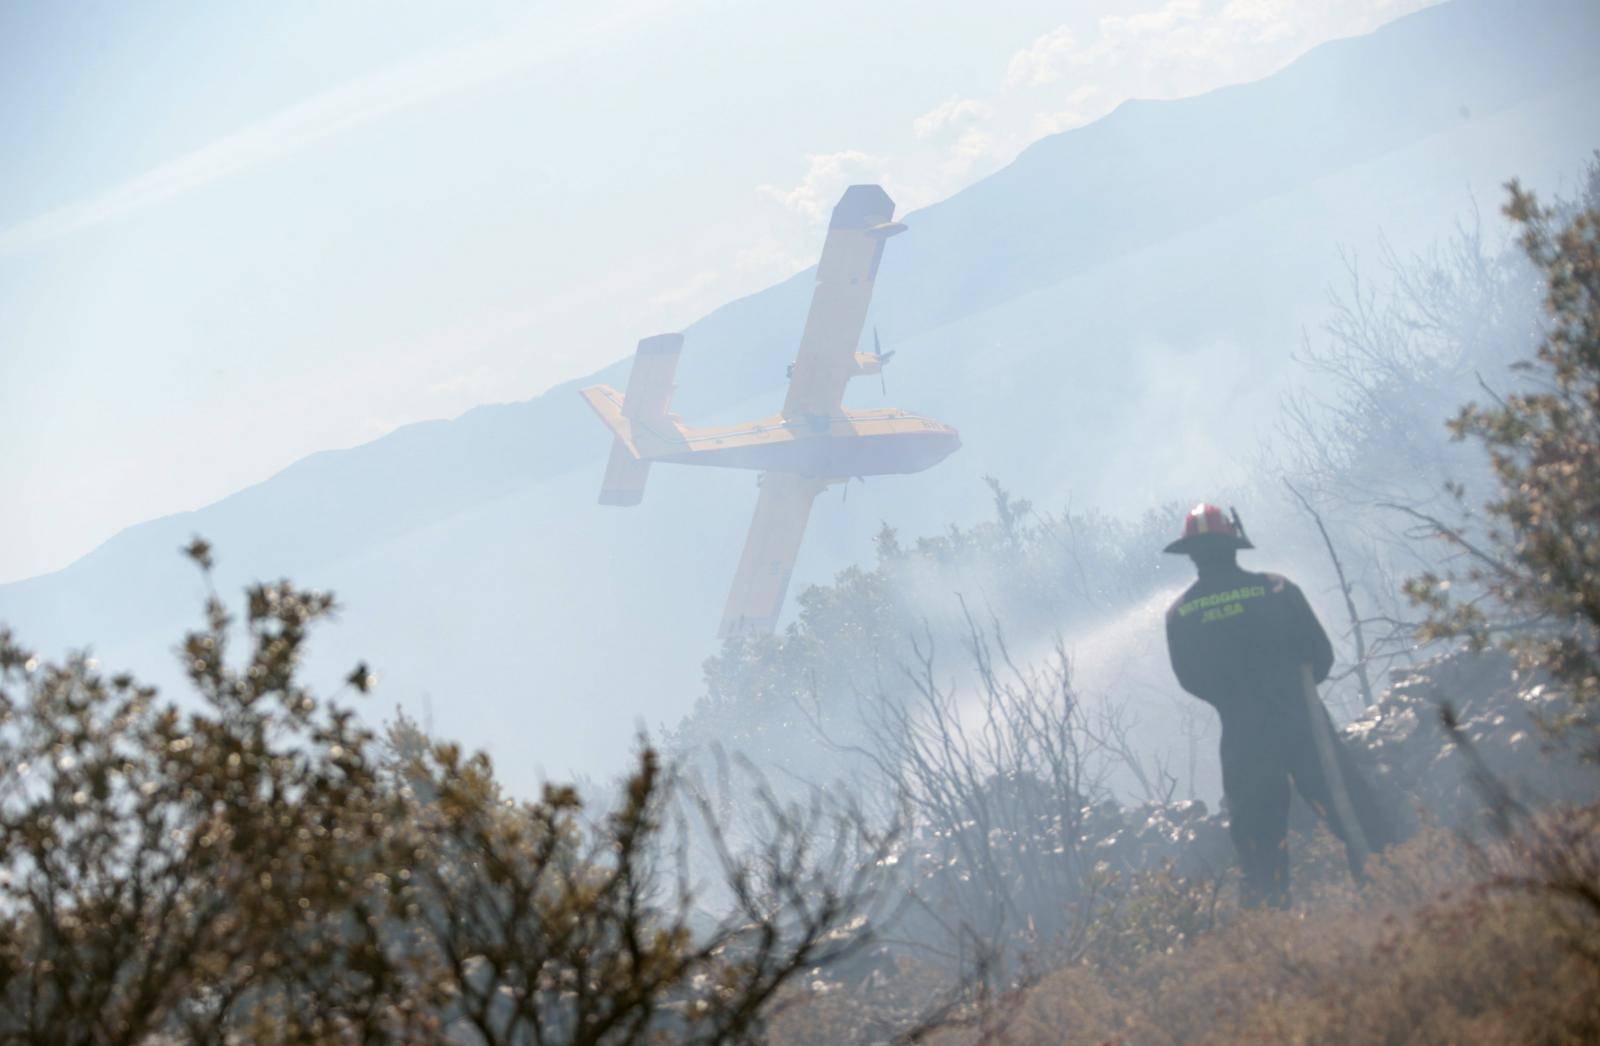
(883, 358)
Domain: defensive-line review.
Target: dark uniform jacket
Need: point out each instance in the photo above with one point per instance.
(1237, 640)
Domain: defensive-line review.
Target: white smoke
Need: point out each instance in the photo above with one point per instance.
(1121, 669)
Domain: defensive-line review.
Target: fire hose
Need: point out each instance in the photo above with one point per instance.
(1327, 753)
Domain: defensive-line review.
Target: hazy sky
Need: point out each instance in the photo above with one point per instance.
(234, 234)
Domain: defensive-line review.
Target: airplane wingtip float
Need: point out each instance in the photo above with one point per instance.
(813, 442)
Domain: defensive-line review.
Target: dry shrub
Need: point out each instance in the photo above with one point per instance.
(1427, 951)
(881, 1008)
(262, 868)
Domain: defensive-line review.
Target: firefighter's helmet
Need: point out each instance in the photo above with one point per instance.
(1208, 527)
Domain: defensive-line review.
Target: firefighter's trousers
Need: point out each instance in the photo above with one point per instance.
(1260, 758)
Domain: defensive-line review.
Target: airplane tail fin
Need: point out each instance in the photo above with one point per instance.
(636, 417)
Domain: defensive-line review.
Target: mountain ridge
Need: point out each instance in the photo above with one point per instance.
(797, 286)
(1071, 314)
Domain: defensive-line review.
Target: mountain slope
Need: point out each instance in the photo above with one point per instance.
(1109, 317)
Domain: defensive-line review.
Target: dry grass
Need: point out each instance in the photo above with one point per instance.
(1424, 953)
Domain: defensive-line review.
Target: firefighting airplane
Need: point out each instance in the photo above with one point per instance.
(812, 443)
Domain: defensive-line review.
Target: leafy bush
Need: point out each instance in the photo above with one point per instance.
(1532, 582)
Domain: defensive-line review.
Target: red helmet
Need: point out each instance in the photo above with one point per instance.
(1207, 526)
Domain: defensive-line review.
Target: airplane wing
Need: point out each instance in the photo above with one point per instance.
(769, 552)
(862, 220)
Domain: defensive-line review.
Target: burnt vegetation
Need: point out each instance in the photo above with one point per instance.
(1009, 863)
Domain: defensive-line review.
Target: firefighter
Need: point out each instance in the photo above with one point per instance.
(1250, 646)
